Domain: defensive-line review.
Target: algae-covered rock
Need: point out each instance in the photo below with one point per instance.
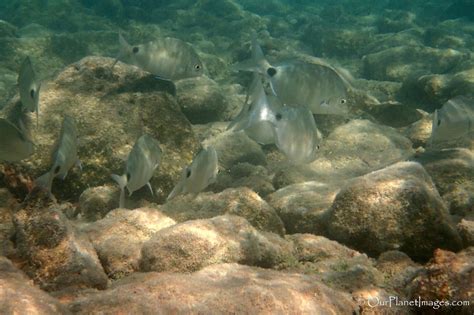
(201, 100)
(302, 207)
(237, 201)
(394, 208)
(57, 256)
(192, 245)
(96, 202)
(236, 147)
(113, 108)
(452, 171)
(223, 288)
(255, 177)
(398, 63)
(19, 296)
(351, 150)
(119, 236)
(447, 277)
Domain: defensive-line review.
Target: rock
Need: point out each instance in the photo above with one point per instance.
(420, 131)
(337, 41)
(255, 177)
(236, 147)
(112, 109)
(237, 201)
(193, 245)
(452, 171)
(351, 150)
(336, 265)
(394, 21)
(397, 268)
(201, 100)
(466, 230)
(119, 236)
(57, 256)
(19, 296)
(96, 202)
(302, 207)
(394, 208)
(224, 288)
(7, 230)
(398, 63)
(433, 90)
(447, 277)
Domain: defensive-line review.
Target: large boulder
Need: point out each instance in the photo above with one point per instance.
(118, 238)
(350, 150)
(19, 296)
(224, 288)
(237, 201)
(395, 208)
(57, 256)
(113, 108)
(201, 100)
(195, 244)
(302, 207)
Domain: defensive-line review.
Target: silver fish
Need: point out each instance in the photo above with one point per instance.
(256, 115)
(317, 85)
(14, 145)
(296, 134)
(29, 87)
(455, 120)
(142, 162)
(64, 155)
(168, 58)
(196, 177)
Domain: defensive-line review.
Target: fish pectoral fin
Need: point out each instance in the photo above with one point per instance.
(162, 78)
(149, 187)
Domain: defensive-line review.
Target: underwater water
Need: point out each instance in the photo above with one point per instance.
(236, 157)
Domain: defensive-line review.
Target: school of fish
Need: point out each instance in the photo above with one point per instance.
(279, 108)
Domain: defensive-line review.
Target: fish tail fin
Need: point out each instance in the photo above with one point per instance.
(257, 63)
(176, 191)
(123, 50)
(122, 182)
(45, 181)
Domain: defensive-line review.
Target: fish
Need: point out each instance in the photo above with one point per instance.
(142, 161)
(296, 134)
(454, 120)
(256, 114)
(14, 145)
(168, 58)
(64, 154)
(29, 87)
(316, 85)
(196, 177)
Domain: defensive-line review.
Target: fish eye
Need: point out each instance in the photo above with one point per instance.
(278, 116)
(439, 122)
(271, 71)
(188, 173)
(135, 50)
(343, 101)
(317, 147)
(197, 67)
(32, 93)
(57, 169)
(128, 176)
